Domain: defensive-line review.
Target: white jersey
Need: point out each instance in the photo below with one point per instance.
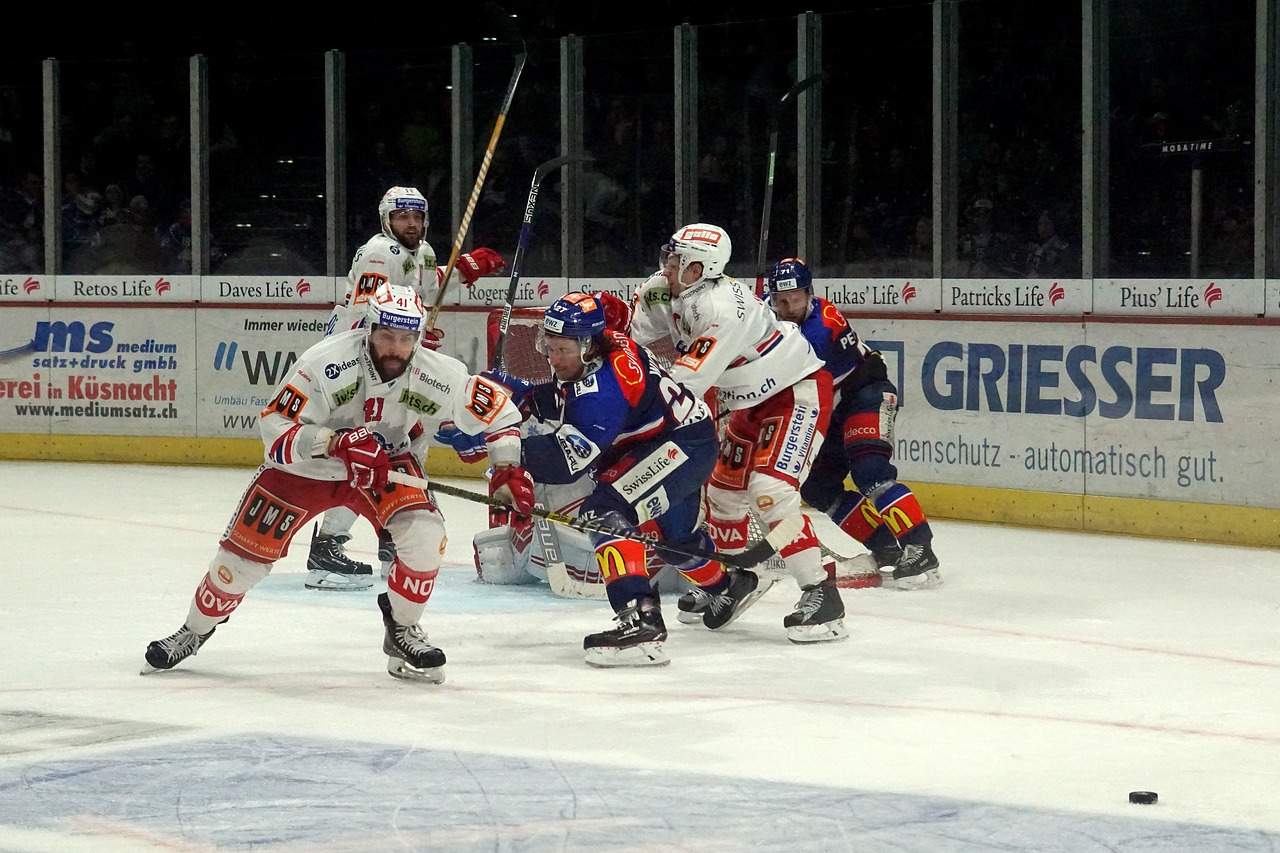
(728, 339)
(334, 386)
(383, 259)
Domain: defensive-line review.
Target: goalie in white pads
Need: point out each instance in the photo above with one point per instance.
(399, 255)
(352, 409)
(779, 397)
(650, 445)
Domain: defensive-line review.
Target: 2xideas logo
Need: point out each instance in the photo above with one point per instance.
(260, 367)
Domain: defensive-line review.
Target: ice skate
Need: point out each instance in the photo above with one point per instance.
(745, 588)
(409, 655)
(691, 606)
(819, 615)
(329, 567)
(917, 568)
(174, 649)
(386, 552)
(637, 641)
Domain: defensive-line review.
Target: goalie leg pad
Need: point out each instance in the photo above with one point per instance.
(495, 558)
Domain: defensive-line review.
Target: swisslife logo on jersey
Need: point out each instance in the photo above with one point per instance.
(1183, 297)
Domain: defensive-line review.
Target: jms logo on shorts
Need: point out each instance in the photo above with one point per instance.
(265, 523)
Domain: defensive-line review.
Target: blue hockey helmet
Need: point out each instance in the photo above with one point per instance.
(578, 315)
(790, 274)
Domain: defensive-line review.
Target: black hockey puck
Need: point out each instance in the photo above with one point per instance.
(1144, 798)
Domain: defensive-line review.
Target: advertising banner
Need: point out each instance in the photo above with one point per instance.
(898, 296)
(26, 287)
(491, 292)
(1170, 412)
(151, 290)
(97, 371)
(1017, 296)
(290, 290)
(1190, 298)
(240, 358)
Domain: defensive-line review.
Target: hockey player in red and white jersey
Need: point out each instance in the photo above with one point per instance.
(356, 405)
(399, 255)
(779, 398)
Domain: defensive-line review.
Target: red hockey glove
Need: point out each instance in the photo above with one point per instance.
(478, 263)
(617, 313)
(366, 461)
(514, 486)
(432, 339)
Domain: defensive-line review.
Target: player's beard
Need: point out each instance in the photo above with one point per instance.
(390, 366)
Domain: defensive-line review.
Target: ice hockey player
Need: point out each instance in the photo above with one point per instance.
(651, 444)
(883, 513)
(352, 409)
(779, 398)
(398, 255)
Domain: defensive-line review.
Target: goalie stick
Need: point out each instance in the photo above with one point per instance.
(781, 535)
(558, 577)
(521, 54)
(775, 118)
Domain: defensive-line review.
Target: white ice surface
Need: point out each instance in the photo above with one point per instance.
(1011, 709)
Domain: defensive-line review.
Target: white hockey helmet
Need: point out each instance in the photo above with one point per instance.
(707, 244)
(397, 306)
(401, 198)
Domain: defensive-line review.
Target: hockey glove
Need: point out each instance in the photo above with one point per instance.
(432, 339)
(366, 461)
(479, 263)
(617, 313)
(470, 448)
(519, 389)
(514, 486)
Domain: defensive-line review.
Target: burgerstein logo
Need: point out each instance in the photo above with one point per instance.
(1212, 294)
(163, 287)
(1056, 294)
(31, 285)
(908, 292)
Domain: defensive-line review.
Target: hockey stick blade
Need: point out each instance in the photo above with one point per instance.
(745, 560)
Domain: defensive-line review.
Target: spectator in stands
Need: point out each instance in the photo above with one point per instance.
(1050, 256)
(984, 252)
(131, 246)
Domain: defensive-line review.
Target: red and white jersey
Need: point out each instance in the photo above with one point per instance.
(383, 259)
(728, 339)
(334, 386)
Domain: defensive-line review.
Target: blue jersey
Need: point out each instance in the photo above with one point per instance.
(834, 340)
(625, 400)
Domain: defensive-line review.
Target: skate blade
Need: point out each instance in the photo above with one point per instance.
(694, 618)
(867, 581)
(334, 582)
(924, 580)
(823, 633)
(762, 586)
(401, 669)
(147, 669)
(642, 654)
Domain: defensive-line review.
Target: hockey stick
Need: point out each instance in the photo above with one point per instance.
(520, 56)
(529, 205)
(781, 536)
(775, 118)
(7, 354)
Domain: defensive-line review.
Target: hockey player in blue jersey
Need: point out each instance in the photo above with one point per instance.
(883, 514)
(650, 444)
